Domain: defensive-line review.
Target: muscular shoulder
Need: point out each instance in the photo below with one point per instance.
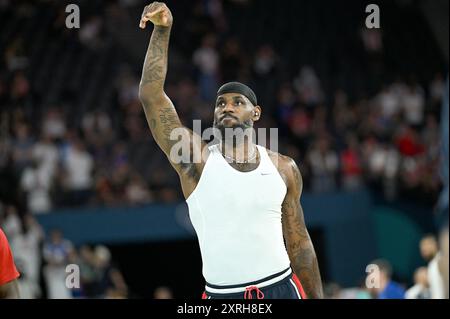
(288, 170)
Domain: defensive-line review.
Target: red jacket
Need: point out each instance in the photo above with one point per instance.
(8, 271)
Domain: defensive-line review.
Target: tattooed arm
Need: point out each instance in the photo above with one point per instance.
(298, 243)
(159, 110)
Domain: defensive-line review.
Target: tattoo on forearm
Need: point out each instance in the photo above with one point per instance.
(299, 245)
(155, 65)
(159, 110)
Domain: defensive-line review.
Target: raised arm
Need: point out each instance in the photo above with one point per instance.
(159, 110)
(298, 243)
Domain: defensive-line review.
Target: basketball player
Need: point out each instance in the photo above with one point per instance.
(9, 287)
(241, 206)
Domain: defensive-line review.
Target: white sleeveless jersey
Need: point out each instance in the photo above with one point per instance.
(237, 218)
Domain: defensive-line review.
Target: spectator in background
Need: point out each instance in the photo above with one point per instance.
(351, 166)
(265, 65)
(15, 55)
(20, 87)
(430, 137)
(323, 163)
(27, 250)
(206, 59)
(285, 104)
(57, 254)
(344, 117)
(36, 183)
(90, 33)
(231, 60)
(308, 87)
(128, 88)
(78, 178)
(46, 153)
(214, 9)
(88, 274)
(319, 121)
(104, 194)
(437, 89)
(332, 290)
(163, 292)
(110, 281)
(300, 125)
(137, 191)
(187, 99)
(429, 252)
(372, 40)
(22, 146)
(389, 102)
(97, 128)
(54, 125)
(411, 148)
(388, 289)
(421, 288)
(10, 220)
(413, 105)
(265, 61)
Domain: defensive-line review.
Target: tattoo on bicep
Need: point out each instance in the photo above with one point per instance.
(169, 120)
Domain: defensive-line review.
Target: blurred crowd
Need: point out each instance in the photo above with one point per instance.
(427, 282)
(52, 156)
(51, 267)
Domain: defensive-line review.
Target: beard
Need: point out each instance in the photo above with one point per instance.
(222, 131)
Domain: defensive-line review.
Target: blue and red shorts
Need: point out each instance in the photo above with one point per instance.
(282, 285)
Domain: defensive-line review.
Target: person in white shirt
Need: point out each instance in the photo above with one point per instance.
(36, 182)
(429, 251)
(421, 288)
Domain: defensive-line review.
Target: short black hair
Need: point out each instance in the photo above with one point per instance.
(384, 265)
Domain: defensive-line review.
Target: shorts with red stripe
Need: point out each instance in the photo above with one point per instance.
(282, 285)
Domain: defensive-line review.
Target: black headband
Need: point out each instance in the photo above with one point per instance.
(237, 87)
